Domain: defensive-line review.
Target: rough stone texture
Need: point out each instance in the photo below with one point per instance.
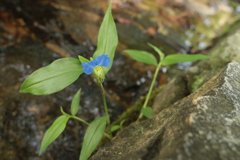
(204, 125)
(175, 90)
(224, 51)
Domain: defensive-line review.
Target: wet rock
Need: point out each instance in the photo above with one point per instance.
(24, 118)
(204, 125)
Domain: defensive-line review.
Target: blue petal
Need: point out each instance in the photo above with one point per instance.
(103, 60)
(88, 67)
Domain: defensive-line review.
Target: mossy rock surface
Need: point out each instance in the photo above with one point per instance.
(203, 125)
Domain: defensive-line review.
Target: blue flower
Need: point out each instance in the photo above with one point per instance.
(96, 65)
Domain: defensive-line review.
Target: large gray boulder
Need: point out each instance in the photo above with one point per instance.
(204, 125)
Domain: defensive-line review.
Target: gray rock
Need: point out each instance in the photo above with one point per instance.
(175, 90)
(224, 51)
(205, 125)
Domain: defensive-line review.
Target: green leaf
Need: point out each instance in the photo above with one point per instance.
(53, 78)
(75, 103)
(62, 111)
(161, 54)
(115, 127)
(53, 132)
(107, 38)
(142, 56)
(92, 137)
(82, 59)
(147, 112)
(121, 123)
(178, 58)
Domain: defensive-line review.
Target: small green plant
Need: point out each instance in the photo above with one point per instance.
(63, 72)
(117, 127)
(148, 58)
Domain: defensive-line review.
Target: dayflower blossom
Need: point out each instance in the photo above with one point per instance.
(96, 66)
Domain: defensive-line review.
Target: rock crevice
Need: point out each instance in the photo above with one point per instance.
(203, 125)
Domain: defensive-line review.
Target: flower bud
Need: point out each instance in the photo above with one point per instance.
(99, 72)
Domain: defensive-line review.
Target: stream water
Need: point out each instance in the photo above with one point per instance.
(33, 34)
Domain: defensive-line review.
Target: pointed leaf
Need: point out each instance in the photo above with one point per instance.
(53, 132)
(121, 123)
(147, 112)
(161, 54)
(53, 78)
(62, 111)
(115, 127)
(82, 59)
(142, 56)
(92, 137)
(107, 38)
(178, 58)
(75, 103)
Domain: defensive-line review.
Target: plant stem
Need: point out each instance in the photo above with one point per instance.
(105, 103)
(108, 136)
(105, 108)
(150, 89)
(81, 120)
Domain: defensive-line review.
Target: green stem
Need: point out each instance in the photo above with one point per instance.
(108, 136)
(105, 103)
(150, 89)
(81, 120)
(105, 107)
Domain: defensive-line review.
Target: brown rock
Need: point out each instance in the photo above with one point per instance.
(204, 125)
(175, 90)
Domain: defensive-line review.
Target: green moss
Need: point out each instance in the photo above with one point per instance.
(133, 112)
(198, 80)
